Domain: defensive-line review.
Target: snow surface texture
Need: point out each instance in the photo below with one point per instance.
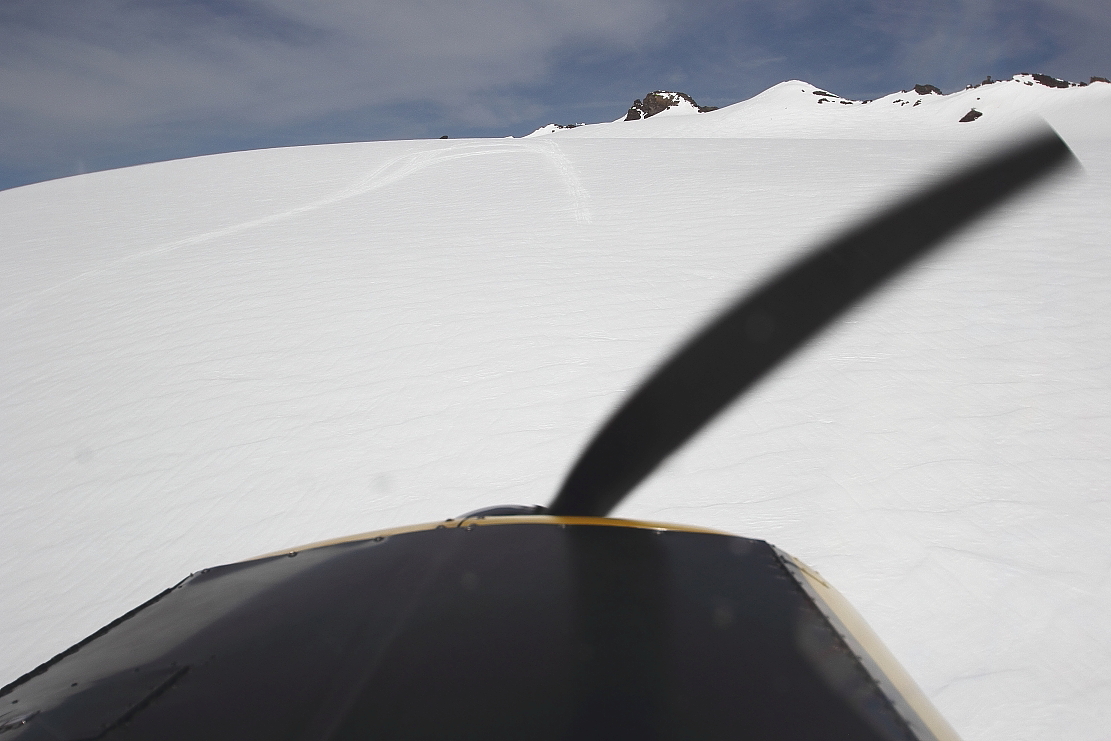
(213, 358)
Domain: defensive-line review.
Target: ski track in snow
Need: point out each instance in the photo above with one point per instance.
(567, 173)
(391, 172)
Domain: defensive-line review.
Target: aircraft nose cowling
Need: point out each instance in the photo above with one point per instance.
(505, 627)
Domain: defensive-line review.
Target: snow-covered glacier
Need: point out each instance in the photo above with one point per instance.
(212, 358)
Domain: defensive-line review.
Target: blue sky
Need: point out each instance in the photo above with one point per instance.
(94, 84)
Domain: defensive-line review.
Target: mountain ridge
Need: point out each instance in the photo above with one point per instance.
(982, 109)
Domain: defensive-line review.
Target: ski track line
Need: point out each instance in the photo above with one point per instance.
(568, 174)
(387, 174)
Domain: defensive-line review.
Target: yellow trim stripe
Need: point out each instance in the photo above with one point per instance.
(868, 646)
(502, 520)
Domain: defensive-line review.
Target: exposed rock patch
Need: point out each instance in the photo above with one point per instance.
(552, 127)
(1031, 78)
(987, 81)
(659, 101)
(828, 97)
(927, 90)
(972, 115)
(1050, 81)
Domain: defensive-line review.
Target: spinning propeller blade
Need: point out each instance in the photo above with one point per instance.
(771, 322)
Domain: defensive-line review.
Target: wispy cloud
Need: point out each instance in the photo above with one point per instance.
(102, 82)
(88, 70)
(105, 61)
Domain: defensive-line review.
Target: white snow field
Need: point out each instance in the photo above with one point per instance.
(213, 358)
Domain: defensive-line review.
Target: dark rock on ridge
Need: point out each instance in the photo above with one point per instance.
(1051, 81)
(1098, 79)
(660, 101)
(1034, 79)
(925, 90)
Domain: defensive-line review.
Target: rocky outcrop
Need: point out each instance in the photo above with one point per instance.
(1033, 78)
(1050, 81)
(660, 101)
(554, 127)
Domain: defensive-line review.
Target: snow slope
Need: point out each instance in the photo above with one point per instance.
(213, 358)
